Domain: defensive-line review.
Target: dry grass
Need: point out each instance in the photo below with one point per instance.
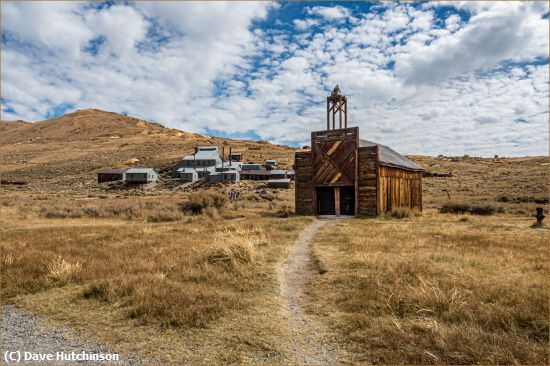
(435, 290)
(518, 185)
(172, 279)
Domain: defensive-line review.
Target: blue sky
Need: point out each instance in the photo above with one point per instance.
(425, 78)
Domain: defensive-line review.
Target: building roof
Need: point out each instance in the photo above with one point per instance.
(278, 171)
(140, 170)
(390, 157)
(270, 160)
(113, 171)
(256, 172)
(204, 155)
(225, 172)
(281, 180)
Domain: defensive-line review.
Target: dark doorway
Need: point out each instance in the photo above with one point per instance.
(325, 201)
(347, 201)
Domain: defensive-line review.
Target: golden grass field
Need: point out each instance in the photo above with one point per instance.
(435, 289)
(199, 288)
(130, 269)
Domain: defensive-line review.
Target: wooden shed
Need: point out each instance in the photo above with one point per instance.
(110, 175)
(344, 175)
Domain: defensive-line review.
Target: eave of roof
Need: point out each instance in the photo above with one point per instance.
(391, 158)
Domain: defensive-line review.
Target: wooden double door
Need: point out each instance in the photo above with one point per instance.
(337, 201)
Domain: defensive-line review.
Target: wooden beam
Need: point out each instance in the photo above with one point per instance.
(337, 200)
(340, 110)
(328, 115)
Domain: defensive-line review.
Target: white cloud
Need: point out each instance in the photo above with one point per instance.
(514, 32)
(303, 24)
(330, 13)
(199, 66)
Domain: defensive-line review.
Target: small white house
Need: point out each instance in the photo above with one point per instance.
(271, 162)
(140, 175)
(188, 175)
(225, 176)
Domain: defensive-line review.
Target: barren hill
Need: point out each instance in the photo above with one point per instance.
(67, 151)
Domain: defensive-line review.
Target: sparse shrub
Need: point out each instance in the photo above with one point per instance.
(60, 212)
(201, 200)
(463, 208)
(455, 207)
(485, 209)
(522, 199)
(61, 271)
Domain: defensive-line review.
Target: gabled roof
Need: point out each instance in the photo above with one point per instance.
(390, 157)
(204, 155)
(113, 171)
(140, 170)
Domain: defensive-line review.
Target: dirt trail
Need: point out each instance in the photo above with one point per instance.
(309, 341)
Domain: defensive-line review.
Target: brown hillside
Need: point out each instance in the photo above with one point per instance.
(66, 152)
(87, 124)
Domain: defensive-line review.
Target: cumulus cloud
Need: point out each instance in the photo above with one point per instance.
(419, 80)
(329, 12)
(511, 32)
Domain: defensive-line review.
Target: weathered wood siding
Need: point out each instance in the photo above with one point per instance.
(398, 188)
(365, 191)
(334, 156)
(303, 191)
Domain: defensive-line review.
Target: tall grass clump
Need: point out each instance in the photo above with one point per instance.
(61, 271)
(232, 249)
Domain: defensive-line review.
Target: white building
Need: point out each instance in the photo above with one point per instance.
(204, 161)
(188, 174)
(140, 175)
(225, 176)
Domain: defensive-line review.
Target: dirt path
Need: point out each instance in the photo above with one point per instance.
(309, 342)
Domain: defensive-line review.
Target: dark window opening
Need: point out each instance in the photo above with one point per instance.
(325, 201)
(347, 201)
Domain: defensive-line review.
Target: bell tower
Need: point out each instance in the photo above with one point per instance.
(337, 104)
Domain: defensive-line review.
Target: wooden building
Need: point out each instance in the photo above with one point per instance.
(110, 175)
(344, 175)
